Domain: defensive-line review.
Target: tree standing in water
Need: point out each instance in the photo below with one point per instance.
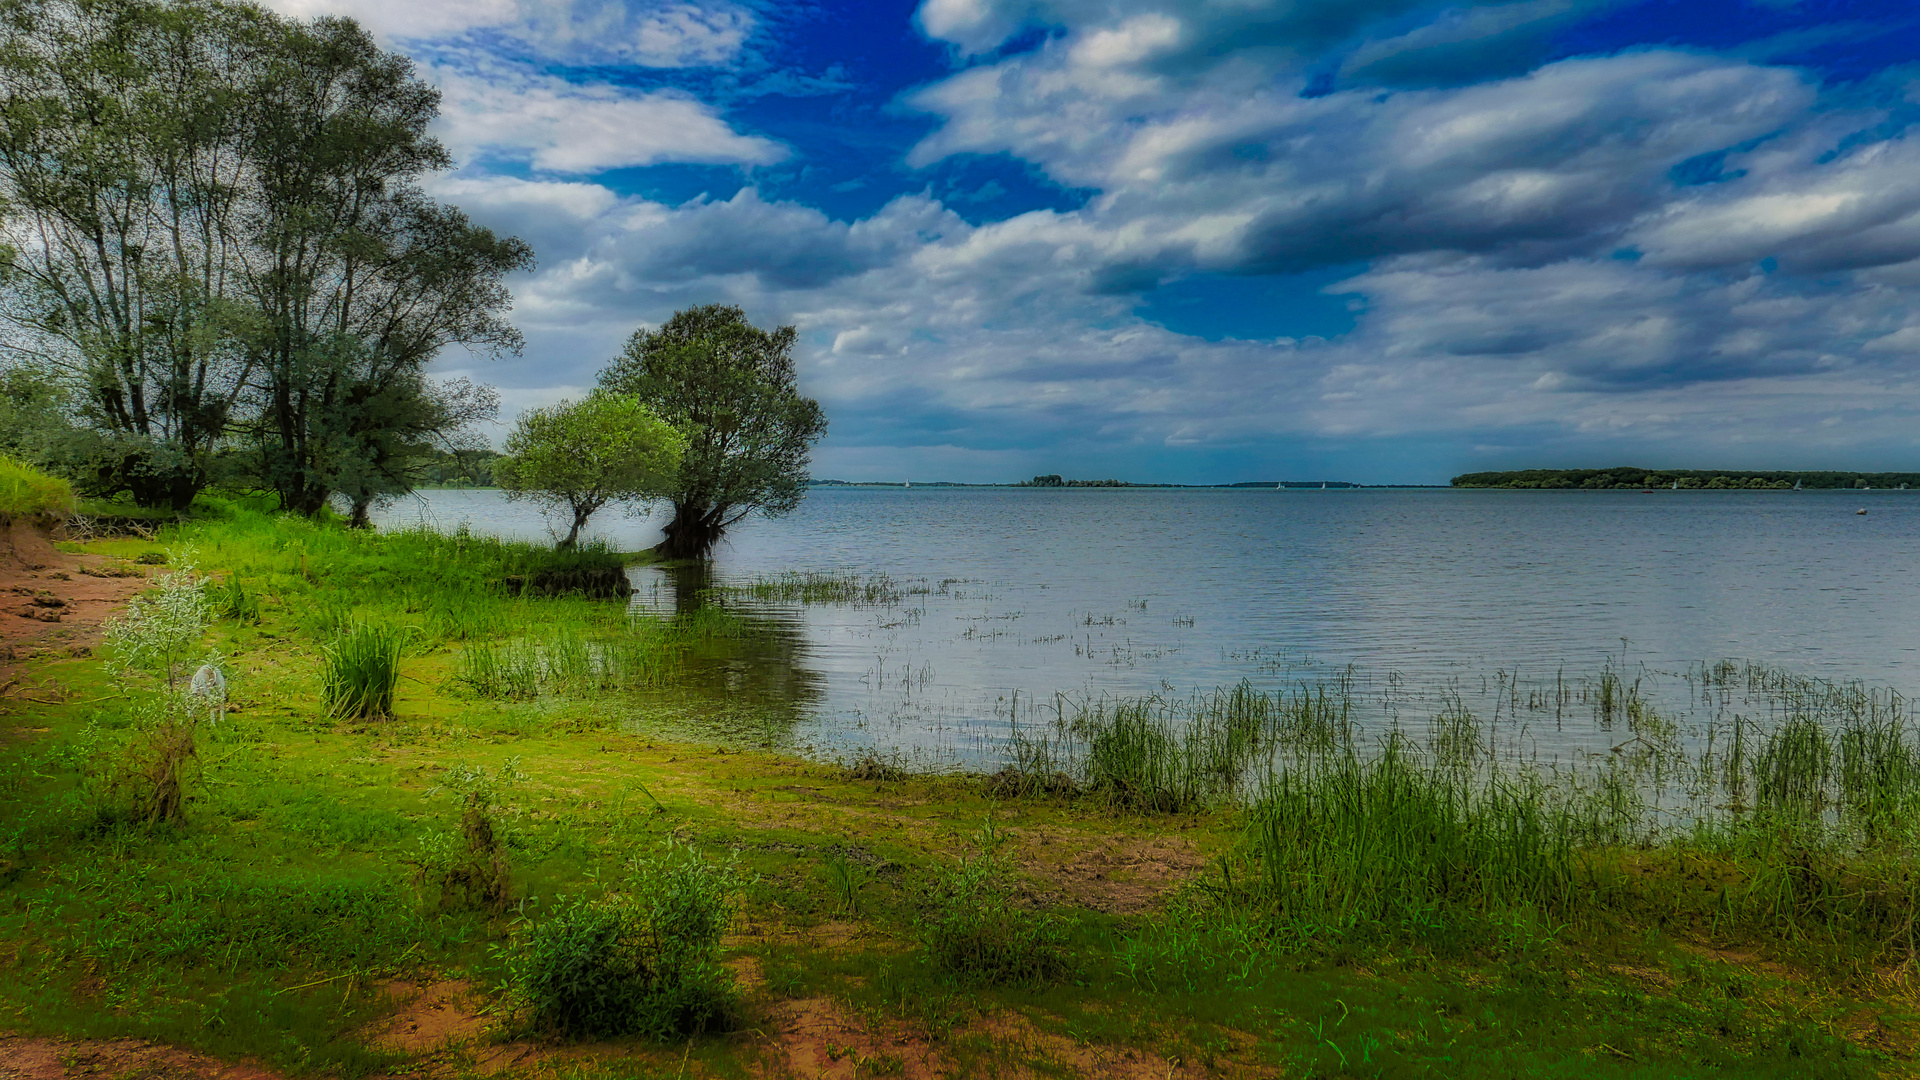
(730, 386)
(580, 456)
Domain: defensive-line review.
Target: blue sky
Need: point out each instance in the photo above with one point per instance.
(1223, 240)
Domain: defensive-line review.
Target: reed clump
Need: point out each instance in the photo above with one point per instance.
(644, 653)
(360, 671)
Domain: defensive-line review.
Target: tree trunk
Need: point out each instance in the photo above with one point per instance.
(360, 519)
(695, 528)
(580, 516)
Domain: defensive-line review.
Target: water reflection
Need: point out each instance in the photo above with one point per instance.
(755, 673)
(1041, 597)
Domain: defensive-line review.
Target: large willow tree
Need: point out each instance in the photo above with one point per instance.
(215, 231)
(731, 387)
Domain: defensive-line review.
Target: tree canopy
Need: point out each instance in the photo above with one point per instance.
(731, 387)
(580, 456)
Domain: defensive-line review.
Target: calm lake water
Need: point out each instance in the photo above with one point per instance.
(1020, 599)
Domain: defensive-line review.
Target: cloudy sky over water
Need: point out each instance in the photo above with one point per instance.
(1222, 240)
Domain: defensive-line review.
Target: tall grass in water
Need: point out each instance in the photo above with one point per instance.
(877, 590)
(644, 654)
(1795, 827)
(361, 670)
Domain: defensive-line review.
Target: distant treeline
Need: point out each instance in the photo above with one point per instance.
(458, 468)
(1702, 479)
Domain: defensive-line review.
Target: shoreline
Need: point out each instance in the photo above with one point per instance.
(841, 867)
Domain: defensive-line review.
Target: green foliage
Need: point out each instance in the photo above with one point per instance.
(731, 387)
(361, 669)
(26, 492)
(973, 926)
(641, 960)
(580, 456)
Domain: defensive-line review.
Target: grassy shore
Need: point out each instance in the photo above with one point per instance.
(1234, 884)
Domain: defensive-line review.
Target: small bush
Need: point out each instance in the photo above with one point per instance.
(641, 961)
(468, 867)
(153, 645)
(361, 670)
(973, 928)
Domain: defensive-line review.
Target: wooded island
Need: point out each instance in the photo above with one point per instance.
(1627, 476)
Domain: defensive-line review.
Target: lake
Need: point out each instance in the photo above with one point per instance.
(1019, 601)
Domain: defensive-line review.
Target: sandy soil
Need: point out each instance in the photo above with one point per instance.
(23, 1058)
(53, 601)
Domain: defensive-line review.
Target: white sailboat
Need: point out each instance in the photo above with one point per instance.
(1796, 485)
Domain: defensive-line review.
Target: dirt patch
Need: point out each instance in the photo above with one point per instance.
(52, 601)
(819, 1037)
(23, 1058)
(1121, 875)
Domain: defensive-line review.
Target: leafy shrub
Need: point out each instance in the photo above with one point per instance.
(361, 670)
(974, 929)
(641, 961)
(468, 867)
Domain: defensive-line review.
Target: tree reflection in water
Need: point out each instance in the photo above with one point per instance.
(757, 683)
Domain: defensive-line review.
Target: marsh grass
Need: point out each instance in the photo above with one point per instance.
(361, 670)
(1800, 821)
(642, 653)
(876, 590)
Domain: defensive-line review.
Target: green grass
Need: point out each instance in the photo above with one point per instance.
(362, 670)
(26, 492)
(1337, 904)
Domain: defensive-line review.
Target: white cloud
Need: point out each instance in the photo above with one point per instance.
(562, 127)
(660, 33)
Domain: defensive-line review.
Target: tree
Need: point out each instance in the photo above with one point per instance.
(117, 171)
(380, 437)
(357, 279)
(580, 456)
(214, 224)
(731, 387)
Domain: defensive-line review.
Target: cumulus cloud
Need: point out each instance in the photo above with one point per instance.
(1655, 247)
(507, 113)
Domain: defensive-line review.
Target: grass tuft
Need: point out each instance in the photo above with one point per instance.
(361, 671)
